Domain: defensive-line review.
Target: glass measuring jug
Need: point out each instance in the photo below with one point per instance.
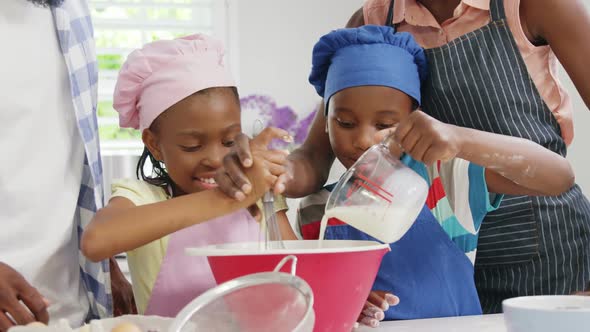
(378, 195)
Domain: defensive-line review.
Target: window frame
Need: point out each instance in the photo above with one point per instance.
(219, 27)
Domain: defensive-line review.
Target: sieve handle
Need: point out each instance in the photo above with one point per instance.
(283, 261)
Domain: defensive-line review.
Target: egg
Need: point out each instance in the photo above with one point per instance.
(126, 327)
(36, 324)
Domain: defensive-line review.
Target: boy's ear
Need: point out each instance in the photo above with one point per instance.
(150, 139)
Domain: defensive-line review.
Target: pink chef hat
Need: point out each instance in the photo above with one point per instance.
(163, 73)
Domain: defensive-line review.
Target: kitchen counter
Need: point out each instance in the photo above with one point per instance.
(485, 323)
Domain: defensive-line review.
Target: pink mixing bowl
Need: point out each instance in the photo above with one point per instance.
(340, 273)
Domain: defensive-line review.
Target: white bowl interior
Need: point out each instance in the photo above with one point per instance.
(291, 247)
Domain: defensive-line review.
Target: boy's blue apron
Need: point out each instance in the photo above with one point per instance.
(425, 269)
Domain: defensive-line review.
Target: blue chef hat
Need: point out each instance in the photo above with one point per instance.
(369, 55)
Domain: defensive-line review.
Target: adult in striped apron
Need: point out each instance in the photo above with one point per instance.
(530, 245)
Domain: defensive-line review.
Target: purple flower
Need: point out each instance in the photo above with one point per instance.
(303, 127)
(281, 117)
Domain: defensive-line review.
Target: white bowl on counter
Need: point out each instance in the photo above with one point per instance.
(553, 313)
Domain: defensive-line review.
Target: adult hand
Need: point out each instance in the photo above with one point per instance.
(587, 293)
(20, 303)
(584, 292)
(123, 300)
(424, 138)
(375, 307)
(232, 178)
(255, 212)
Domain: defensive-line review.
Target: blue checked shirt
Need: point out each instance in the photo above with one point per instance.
(76, 38)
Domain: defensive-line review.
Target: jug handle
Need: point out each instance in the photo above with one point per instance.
(388, 140)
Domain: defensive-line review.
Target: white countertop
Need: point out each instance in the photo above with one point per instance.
(485, 323)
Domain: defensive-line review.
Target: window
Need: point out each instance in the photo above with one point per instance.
(120, 26)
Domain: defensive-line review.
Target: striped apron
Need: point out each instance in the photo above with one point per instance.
(530, 245)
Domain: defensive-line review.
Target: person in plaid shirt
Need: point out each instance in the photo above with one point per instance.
(51, 178)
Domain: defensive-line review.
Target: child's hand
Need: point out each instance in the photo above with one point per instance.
(264, 165)
(377, 303)
(426, 139)
(233, 179)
